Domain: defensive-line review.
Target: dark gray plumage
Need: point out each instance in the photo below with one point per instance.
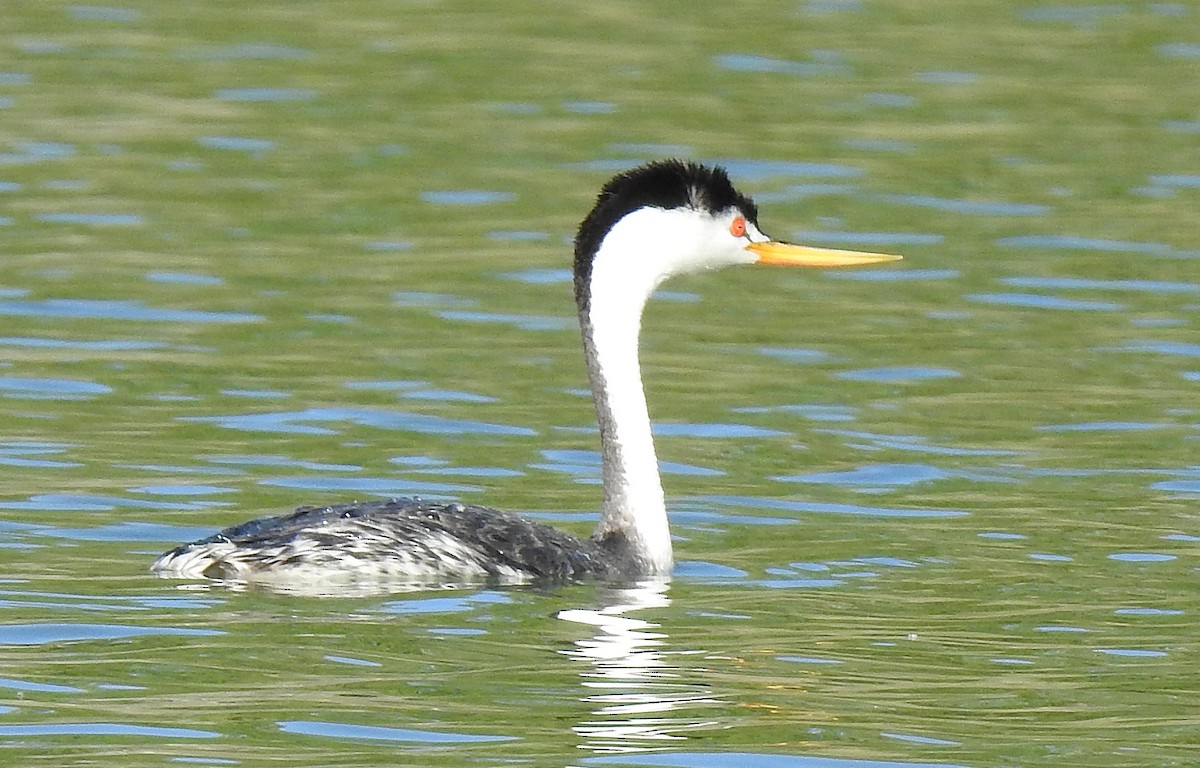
(406, 536)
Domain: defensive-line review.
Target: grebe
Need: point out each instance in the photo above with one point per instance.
(649, 223)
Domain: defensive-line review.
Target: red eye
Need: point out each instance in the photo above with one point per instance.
(737, 227)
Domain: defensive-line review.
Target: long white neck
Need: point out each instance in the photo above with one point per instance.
(634, 507)
(637, 253)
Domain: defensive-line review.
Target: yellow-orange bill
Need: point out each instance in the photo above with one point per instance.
(773, 252)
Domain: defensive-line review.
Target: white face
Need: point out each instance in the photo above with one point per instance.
(650, 245)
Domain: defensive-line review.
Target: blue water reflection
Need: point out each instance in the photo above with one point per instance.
(1181, 348)
(26, 685)
(895, 275)
(1179, 50)
(466, 197)
(93, 219)
(1095, 284)
(866, 239)
(873, 477)
(182, 278)
(20, 453)
(1076, 243)
(795, 354)
(299, 422)
(378, 486)
(913, 443)
(98, 309)
(982, 207)
(43, 633)
(947, 78)
(104, 729)
(521, 322)
(584, 465)
(754, 170)
(51, 389)
(74, 502)
(784, 505)
(1039, 301)
(237, 143)
(104, 13)
(829, 64)
(898, 374)
(381, 733)
(812, 412)
(1083, 16)
(589, 107)
(265, 94)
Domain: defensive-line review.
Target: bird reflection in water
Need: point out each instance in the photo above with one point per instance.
(637, 692)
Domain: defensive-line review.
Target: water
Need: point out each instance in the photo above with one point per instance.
(940, 513)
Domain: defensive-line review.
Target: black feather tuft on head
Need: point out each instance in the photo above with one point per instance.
(663, 184)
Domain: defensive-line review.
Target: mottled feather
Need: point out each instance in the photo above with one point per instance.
(406, 539)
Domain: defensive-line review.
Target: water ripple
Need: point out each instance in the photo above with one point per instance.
(1132, 653)
(90, 219)
(183, 278)
(1179, 50)
(1181, 348)
(796, 354)
(741, 62)
(1103, 426)
(1072, 283)
(784, 505)
(895, 275)
(379, 486)
(1075, 243)
(1178, 486)
(871, 477)
(761, 170)
(39, 634)
(983, 207)
(266, 94)
(97, 309)
(296, 422)
(813, 412)
(237, 143)
(1084, 17)
(51, 389)
(589, 107)
(875, 239)
(914, 443)
(1038, 301)
(522, 322)
(467, 197)
(104, 729)
(380, 733)
(897, 374)
(586, 465)
(1182, 126)
(715, 430)
(104, 13)
(947, 78)
(1141, 557)
(540, 276)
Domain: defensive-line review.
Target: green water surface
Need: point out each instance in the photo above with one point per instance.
(937, 514)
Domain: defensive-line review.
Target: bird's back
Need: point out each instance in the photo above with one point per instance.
(401, 541)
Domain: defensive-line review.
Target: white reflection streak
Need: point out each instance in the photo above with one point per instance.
(627, 664)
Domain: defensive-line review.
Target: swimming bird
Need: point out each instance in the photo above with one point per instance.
(649, 223)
